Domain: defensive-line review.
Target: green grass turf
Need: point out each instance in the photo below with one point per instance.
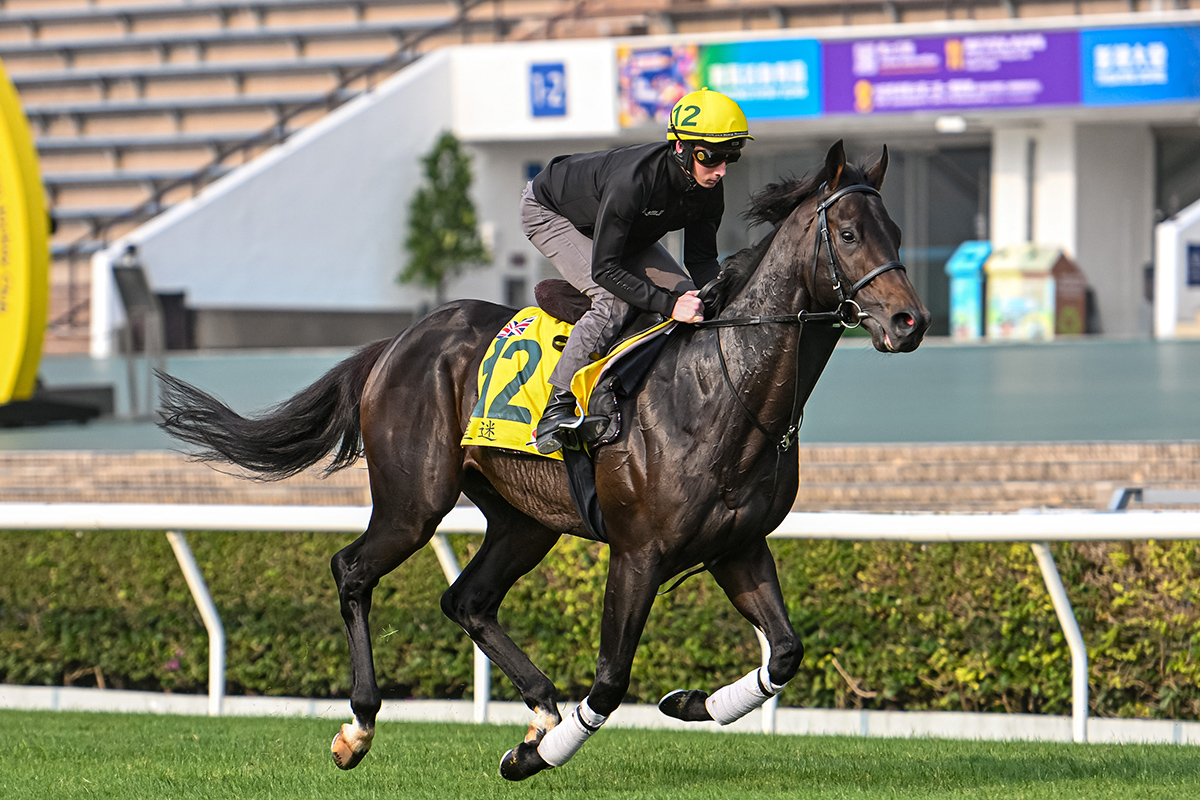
(141, 757)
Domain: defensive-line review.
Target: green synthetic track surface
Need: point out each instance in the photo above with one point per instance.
(70, 755)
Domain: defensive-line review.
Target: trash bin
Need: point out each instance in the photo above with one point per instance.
(965, 269)
(1034, 291)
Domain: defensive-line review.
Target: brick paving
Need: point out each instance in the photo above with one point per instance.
(876, 477)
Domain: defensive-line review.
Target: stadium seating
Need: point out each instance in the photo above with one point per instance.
(137, 105)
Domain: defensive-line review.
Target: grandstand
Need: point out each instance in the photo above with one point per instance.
(138, 104)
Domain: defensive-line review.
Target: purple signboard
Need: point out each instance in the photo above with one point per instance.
(944, 73)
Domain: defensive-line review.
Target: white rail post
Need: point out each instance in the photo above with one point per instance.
(772, 704)
(1079, 656)
(483, 667)
(212, 620)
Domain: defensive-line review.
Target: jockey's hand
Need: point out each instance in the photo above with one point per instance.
(688, 308)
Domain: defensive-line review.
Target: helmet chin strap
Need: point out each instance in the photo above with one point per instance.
(683, 157)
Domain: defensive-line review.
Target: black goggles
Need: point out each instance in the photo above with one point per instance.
(714, 158)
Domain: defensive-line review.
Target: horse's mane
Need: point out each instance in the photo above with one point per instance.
(771, 206)
(776, 201)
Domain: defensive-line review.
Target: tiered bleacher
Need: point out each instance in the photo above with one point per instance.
(137, 104)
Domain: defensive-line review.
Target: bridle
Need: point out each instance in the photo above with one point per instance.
(847, 315)
(848, 310)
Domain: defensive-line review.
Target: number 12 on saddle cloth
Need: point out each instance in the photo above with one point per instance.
(514, 379)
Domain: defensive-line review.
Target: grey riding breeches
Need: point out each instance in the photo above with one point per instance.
(571, 254)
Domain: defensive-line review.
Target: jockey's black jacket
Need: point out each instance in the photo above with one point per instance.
(625, 200)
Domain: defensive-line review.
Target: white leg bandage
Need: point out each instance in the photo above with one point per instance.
(568, 736)
(732, 702)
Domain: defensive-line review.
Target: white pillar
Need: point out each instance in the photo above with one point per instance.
(1168, 264)
(1010, 204)
(1056, 198)
(1033, 185)
(1176, 304)
(105, 313)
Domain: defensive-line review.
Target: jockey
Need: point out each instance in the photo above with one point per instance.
(598, 218)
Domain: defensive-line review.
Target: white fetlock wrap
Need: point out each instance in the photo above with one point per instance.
(731, 703)
(560, 744)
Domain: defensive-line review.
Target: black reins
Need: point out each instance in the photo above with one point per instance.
(848, 315)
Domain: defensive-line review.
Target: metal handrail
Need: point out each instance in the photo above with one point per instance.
(1037, 527)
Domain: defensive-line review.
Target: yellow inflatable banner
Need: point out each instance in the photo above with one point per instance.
(24, 251)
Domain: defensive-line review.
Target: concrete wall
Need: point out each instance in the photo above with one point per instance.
(491, 92)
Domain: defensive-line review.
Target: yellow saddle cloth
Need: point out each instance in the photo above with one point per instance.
(514, 379)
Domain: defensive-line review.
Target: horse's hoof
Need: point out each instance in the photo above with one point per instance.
(344, 755)
(687, 705)
(521, 762)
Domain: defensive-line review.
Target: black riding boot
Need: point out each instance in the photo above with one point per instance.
(560, 408)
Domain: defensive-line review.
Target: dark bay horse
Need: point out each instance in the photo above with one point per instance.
(704, 470)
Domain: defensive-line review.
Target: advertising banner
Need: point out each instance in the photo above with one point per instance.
(946, 73)
(651, 81)
(769, 80)
(806, 78)
(1140, 65)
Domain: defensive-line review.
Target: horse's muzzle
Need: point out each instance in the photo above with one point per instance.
(902, 332)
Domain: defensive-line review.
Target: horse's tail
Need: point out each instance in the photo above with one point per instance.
(286, 439)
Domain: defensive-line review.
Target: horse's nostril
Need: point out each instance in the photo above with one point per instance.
(908, 320)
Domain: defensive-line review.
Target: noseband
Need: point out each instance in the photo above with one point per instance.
(850, 314)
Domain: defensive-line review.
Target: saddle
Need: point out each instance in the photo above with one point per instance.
(601, 423)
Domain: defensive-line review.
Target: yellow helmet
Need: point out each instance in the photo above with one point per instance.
(707, 116)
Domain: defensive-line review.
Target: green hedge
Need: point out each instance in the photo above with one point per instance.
(958, 627)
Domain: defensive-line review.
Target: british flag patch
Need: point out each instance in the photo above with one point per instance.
(515, 328)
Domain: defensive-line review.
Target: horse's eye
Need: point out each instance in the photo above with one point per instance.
(847, 236)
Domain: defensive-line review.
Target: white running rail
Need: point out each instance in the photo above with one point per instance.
(1039, 528)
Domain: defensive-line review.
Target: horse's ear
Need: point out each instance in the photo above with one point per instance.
(878, 169)
(835, 162)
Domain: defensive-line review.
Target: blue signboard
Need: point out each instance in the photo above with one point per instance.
(1193, 264)
(1140, 65)
(548, 90)
(769, 80)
